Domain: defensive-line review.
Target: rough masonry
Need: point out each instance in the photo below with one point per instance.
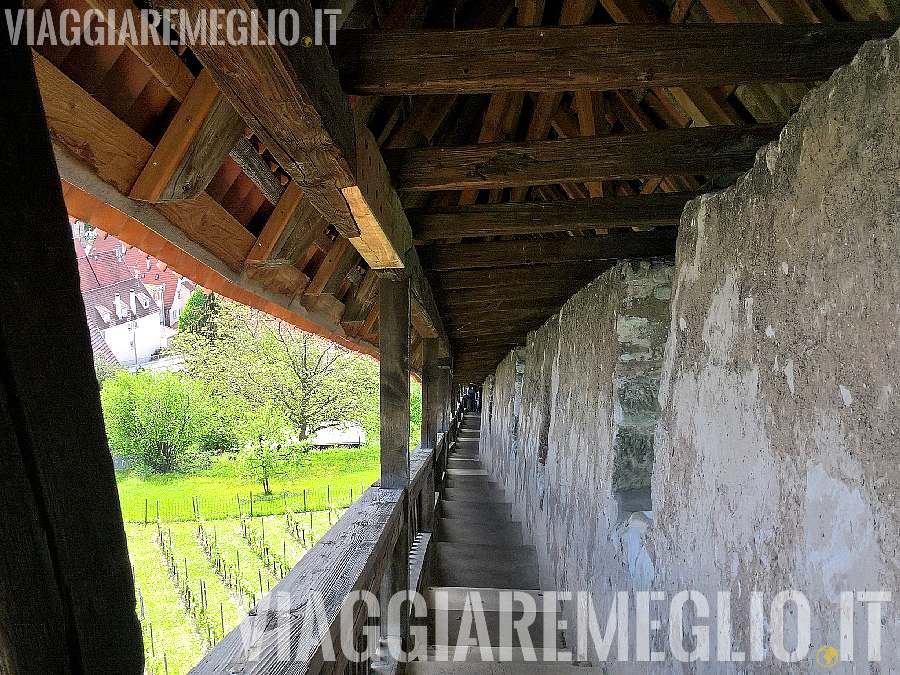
(776, 459)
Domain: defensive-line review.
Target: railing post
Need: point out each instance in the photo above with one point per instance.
(393, 333)
(431, 412)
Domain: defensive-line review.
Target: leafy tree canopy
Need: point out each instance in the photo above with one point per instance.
(165, 422)
(261, 361)
(199, 313)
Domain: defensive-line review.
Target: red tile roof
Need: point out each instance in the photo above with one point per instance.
(100, 303)
(144, 267)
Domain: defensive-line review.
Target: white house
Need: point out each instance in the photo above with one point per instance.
(126, 316)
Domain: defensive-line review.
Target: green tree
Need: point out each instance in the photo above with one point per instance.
(268, 449)
(199, 313)
(166, 422)
(262, 361)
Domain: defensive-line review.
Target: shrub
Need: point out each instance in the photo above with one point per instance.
(165, 422)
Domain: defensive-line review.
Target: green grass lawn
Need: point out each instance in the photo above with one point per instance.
(218, 487)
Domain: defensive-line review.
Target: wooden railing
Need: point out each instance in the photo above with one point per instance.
(278, 635)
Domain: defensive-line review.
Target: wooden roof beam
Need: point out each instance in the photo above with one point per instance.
(653, 154)
(598, 57)
(612, 246)
(485, 220)
(196, 142)
(291, 98)
(523, 277)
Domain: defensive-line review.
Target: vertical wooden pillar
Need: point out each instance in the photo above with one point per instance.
(67, 602)
(431, 393)
(431, 411)
(393, 346)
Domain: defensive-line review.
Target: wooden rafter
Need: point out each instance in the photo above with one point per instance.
(292, 100)
(645, 155)
(612, 246)
(598, 57)
(195, 144)
(563, 215)
(521, 277)
(274, 227)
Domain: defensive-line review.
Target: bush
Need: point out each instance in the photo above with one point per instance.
(165, 422)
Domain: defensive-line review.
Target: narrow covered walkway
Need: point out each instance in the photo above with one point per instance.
(479, 554)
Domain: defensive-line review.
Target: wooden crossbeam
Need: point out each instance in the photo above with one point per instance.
(274, 227)
(507, 298)
(613, 246)
(195, 144)
(89, 131)
(327, 267)
(358, 308)
(291, 99)
(524, 277)
(483, 220)
(672, 152)
(598, 57)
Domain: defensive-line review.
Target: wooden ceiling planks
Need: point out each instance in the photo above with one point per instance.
(488, 307)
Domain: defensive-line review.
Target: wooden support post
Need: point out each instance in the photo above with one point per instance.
(68, 601)
(396, 580)
(431, 412)
(394, 346)
(394, 323)
(431, 387)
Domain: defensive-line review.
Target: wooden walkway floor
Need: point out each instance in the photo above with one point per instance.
(479, 548)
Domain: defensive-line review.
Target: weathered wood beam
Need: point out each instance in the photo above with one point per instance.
(274, 227)
(612, 246)
(671, 152)
(304, 228)
(291, 98)
(524, 276)
(456, 305)
(564, 215)
(462, 319)
(358, 308)
(196, 142)
(597, 57)
(92, 134)
(347, 263)
(327, 267)
(67, 602)
(393, 343)
(431, 376)
(304, 121)
(257, 170)
(384, 233)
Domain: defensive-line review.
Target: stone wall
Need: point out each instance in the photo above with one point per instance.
(776, 451)
(777, 463)
(567, 428)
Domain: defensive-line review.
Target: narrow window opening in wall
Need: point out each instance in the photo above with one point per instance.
(642, 327)
(633, 460)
